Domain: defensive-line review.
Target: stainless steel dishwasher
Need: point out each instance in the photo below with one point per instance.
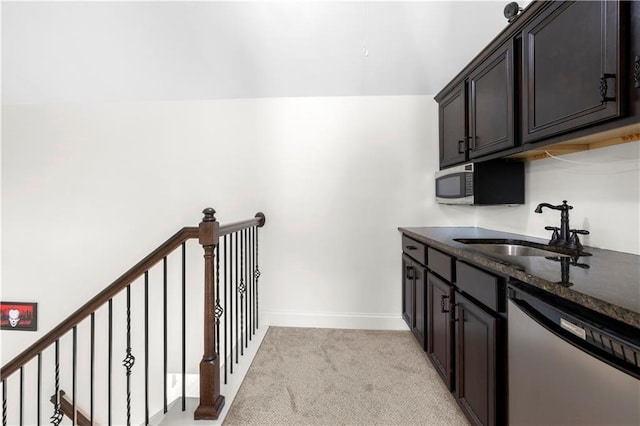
(568, 369)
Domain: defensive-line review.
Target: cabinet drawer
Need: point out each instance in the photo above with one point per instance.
(480, 285)
(440, 263)
(414, 249)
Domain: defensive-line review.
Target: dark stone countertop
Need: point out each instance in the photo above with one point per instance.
(610, 285)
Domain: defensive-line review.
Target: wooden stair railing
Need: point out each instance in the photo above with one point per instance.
(243, 284)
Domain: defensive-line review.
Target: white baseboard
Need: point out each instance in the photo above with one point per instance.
(357, 321)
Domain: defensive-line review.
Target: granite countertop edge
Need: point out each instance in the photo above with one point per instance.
(606, 308)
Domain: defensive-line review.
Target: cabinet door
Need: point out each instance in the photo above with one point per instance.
(571, 72)
(476, 362)
(408, 294)
(491, 113)
(420, 306)
(453, 127)
(440, 295)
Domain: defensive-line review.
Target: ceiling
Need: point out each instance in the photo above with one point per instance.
(121, 51)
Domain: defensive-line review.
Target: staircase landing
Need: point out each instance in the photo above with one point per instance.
(176, 417)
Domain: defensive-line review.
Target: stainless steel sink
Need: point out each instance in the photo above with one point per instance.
(509, 247)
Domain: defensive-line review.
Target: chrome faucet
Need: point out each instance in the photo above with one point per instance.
(566, 237)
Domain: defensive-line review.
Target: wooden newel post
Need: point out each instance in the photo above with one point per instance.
(211, 402)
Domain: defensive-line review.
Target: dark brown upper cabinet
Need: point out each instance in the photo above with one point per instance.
(562, 74)
(477, 116)
(571, 68)
(452, 112)
(491, 113)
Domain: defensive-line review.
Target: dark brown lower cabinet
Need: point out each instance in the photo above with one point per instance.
(440, 340)
(420, 327)
(414, 298)
(456, 311)
(407, 290)
(477, 344)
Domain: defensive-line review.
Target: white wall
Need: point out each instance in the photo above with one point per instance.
(345, 173)
(89, 189)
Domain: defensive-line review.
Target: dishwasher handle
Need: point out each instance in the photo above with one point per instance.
(568, 327)
(543, 320)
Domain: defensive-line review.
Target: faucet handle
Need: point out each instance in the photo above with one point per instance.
(574, 240)
(579, 231)
(555, 236)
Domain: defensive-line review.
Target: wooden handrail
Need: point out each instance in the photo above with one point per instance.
(258, 221)
(92, 305)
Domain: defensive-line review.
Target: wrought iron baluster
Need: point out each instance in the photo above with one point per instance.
(241, 290)
(224, 299)
(38, 414)
(252, 242)
(4, 403)
(110, 360)
(129, 360)
(249, 284)
(218, 311)
(230, 302)
(247, 288)
(92, 367)
(257, 275)
(237, 307)
(231, 308)
(184, 322)
(74, 368)
(164, 322)
(146, 347)
(56, 418)
(252, 277)
(21, 395)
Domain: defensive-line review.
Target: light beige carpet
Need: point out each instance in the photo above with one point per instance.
(304, 376)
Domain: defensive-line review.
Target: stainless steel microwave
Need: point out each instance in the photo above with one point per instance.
(487, 183)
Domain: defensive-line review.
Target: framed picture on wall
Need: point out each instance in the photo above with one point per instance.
(18, 316)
